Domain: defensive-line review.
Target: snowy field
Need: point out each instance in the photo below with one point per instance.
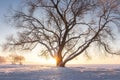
(81, 72)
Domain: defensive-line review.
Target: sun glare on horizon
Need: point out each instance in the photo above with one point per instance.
(34, 59)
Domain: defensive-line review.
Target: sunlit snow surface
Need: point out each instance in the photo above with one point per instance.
(81, 72)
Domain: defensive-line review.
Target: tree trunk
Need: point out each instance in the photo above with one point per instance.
(59, 62)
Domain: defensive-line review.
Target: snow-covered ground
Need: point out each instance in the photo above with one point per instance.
(81, 72)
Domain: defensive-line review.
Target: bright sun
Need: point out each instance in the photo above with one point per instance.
(51, 61)
(32, 59)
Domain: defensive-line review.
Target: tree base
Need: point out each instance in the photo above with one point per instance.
(60, 64)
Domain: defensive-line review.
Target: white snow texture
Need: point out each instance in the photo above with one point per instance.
(37, 72)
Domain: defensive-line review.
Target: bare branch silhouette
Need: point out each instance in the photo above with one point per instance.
(66, 28)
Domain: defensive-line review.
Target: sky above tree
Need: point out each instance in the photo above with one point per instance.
(5, 6)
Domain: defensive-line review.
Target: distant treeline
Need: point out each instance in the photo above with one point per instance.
(13, 59)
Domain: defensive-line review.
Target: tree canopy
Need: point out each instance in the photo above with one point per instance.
(66, 28)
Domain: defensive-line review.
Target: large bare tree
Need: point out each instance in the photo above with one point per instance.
(66, 28)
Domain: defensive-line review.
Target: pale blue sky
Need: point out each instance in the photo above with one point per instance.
(5, 28)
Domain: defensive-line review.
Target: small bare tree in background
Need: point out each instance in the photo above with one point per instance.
(66, 28)
(2, 59)
(16, 59)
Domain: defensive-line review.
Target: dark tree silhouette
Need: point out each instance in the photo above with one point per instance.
(66, 28)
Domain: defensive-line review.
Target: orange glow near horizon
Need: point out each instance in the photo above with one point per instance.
(33, 58)
(51, 61)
